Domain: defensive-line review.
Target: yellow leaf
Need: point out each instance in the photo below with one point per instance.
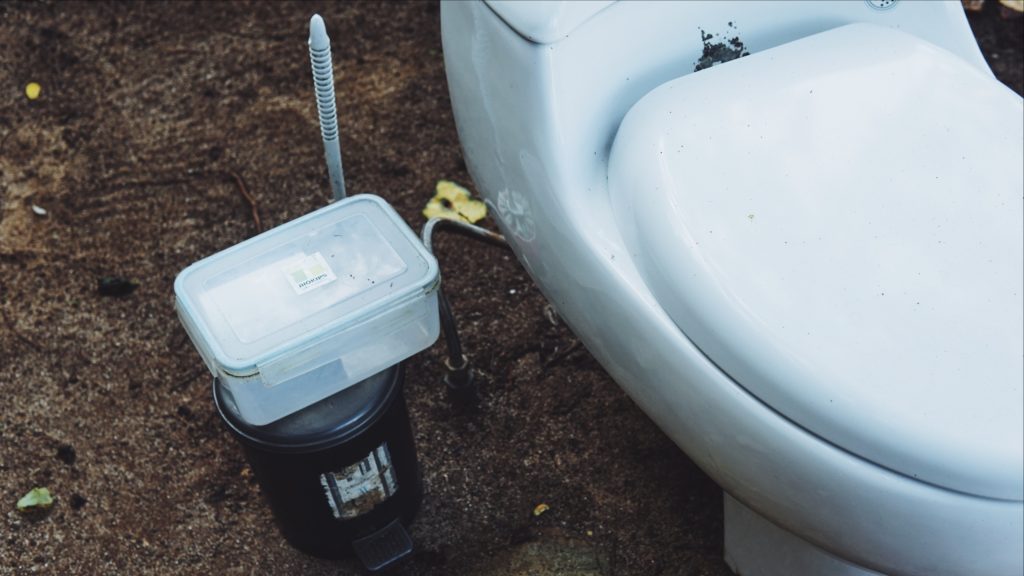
(450, 191)
(436, 209)
(540, 509)
(472, 210)
(32, 90)
(454, 202)
(1015, 5)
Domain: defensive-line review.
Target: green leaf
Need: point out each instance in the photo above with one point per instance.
(36, 499)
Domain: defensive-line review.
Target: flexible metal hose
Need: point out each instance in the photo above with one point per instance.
(459, 371)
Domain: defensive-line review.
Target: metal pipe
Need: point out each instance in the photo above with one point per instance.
(459, 377)
(463, 229)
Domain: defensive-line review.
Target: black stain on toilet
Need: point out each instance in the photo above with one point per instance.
(719, 52)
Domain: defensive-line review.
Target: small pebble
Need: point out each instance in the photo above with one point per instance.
(66, 454)
(113, 286)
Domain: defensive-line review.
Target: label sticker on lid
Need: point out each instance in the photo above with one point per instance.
(308, 273)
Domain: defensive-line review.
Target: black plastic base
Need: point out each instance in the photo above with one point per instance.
(338, 471)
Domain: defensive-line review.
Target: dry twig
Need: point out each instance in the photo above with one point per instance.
(562, 354)
(248, 198)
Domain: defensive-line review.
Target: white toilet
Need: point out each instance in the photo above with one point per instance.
(805, 264)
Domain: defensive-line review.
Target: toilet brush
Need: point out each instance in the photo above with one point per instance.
(323, 84)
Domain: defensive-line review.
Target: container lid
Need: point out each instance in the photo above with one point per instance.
(837, 223)
(324, 424)
(546, 21)
(254, 305)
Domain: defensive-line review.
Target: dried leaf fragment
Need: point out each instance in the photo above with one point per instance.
(1015, 5)
(454, 202)
(36, 499)
(540, 509)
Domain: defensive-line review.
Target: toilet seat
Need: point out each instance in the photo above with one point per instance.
(837, 224)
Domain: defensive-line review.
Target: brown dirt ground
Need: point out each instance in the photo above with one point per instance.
(145, 113)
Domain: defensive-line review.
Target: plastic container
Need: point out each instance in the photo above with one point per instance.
(341, 476)
(301, 312)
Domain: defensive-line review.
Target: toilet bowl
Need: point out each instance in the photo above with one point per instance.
(805, 264)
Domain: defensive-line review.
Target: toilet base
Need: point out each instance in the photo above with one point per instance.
(756, 547)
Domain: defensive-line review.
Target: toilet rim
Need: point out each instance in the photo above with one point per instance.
(987, 464)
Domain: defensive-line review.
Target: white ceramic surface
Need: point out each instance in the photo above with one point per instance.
(846, 245)
(537, 122)
(546, 20)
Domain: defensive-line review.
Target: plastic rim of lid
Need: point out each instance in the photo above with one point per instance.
(323, 425)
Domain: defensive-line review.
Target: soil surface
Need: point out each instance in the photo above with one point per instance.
(152, 120)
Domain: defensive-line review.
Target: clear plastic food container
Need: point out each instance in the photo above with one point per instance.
(311, 307)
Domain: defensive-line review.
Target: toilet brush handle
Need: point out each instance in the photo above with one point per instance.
(323, 85)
